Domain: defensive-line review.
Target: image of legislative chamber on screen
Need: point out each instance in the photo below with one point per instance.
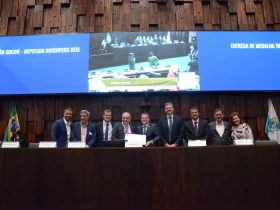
(143, 61)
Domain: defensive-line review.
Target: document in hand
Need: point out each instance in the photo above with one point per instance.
(135, 140)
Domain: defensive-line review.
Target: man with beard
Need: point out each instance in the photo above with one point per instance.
(170, 128)
(219, 131)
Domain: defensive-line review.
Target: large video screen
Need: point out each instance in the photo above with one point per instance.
(143, 61)
(140, 62)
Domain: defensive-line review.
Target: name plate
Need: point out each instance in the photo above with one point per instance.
(10, 144)
(47, 144)
(243, 142)
(196, 143)
(126, 144)
(76, 144)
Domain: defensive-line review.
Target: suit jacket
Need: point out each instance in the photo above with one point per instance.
(59, 133)
(189, 132)
(99, 131)
(176, 132)
(91, 133)
(213, 137)
(118, 131)
(151, 133)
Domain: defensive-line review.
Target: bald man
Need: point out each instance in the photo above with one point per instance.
(122, 128)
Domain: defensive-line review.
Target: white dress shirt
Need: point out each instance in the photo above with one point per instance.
(68, 129)
(220, 127)
(83, 132)
(128, 128)
(193, 121)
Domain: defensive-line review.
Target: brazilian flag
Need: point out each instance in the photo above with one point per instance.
(13, 123)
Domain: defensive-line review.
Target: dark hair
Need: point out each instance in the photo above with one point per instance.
(168, 103)
(145, 113)
(194, 108)
(236, 114)
(69, 109)
(218, 110)
(106, 110)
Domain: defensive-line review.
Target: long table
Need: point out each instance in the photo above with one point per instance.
(225, 177)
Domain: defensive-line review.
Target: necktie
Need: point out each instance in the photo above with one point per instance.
(126, 129)
(170, 127)
(195, 128)
(144, 129)
(106, 131)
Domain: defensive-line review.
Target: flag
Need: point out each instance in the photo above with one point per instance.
(12, 124)
(108, 39)
(272, 127)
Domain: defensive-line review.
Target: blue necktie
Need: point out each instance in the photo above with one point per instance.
(106, 131)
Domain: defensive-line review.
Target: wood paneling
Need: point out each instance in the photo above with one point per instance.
(36, 113)
(46, 16)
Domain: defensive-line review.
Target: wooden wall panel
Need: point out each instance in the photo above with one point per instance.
(36, 114)
(66, 16)
(23, 17)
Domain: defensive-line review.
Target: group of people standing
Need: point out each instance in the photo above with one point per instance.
(152, 59)
(170, 131)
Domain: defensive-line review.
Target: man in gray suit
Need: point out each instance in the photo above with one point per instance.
(219, 132)
(122, 128)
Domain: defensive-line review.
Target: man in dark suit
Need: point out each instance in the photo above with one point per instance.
(219, 131)
(84, 130)
(122, 128)
(196, 128)
(104, 128)
(170, 128)
(61, 129)
(148, 129)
